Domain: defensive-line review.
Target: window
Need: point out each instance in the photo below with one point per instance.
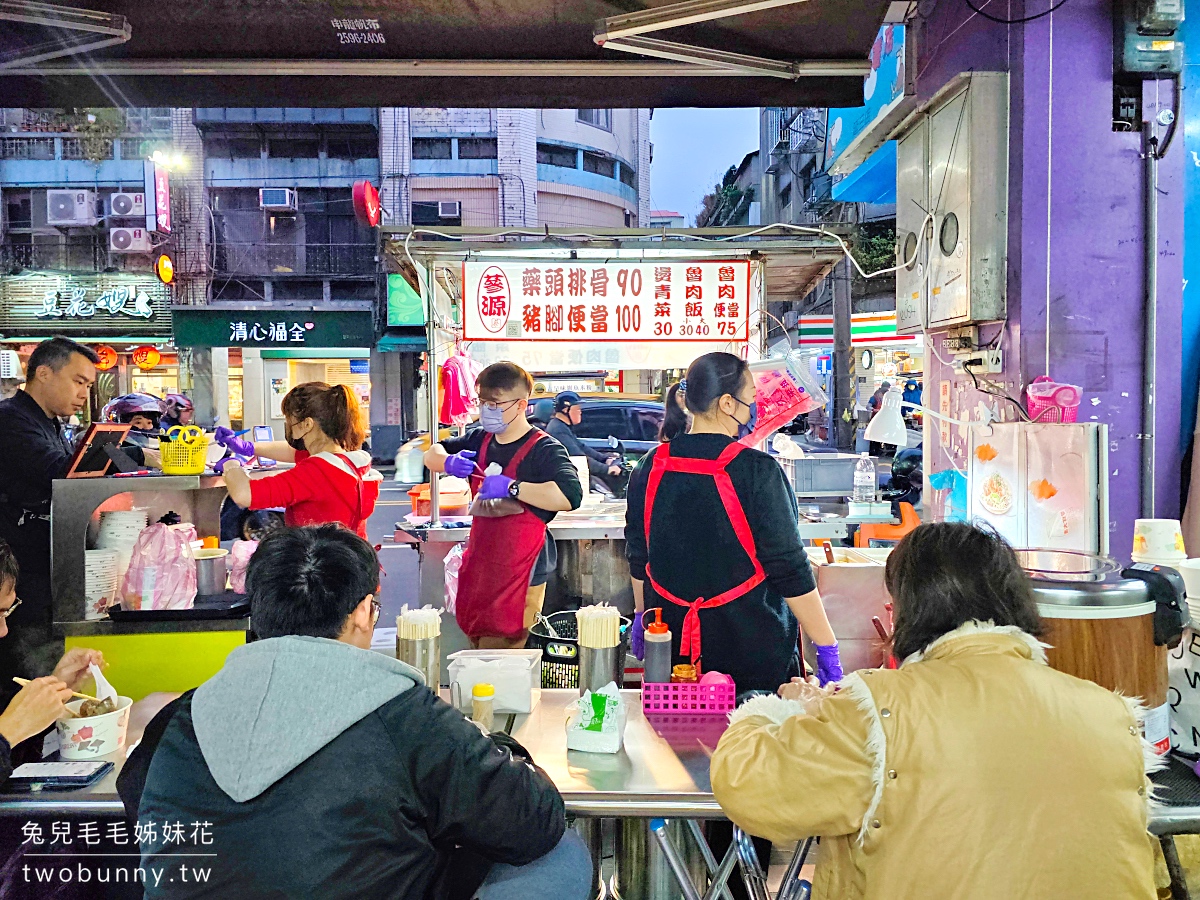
(646, 424)
(293, 148)
(628, 176)
(142, 120)
(27, 148)
(477, 148)
(555, 155)
(351, 147)
(431, 148)
(599, 118)
(785, 197)
(602, 421)
(427, 213)
(18, 209)
(233, 148)
(599, 165)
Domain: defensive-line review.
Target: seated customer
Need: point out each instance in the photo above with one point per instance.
(972, 771)
(327, 770)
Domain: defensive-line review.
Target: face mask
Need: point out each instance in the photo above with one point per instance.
(493, 420)
(744, 430)
(294, 442)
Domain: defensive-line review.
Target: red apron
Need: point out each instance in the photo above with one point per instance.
(499, 558)
(689, 644)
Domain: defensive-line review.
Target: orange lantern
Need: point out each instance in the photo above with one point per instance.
(146, 357)
(164, 268)
(108, 357)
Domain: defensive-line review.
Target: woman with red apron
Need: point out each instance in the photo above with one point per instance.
(712, 538)
(501, 584)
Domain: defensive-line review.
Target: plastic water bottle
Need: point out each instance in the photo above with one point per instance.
(864, 480)
(658, 651)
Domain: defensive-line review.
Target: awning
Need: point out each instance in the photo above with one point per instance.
(402, 340)
(521, 53)
(872, 182)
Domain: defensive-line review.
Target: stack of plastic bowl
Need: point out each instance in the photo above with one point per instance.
(119, 530)
(100, 581)
(1158, 542)
(1189, 569)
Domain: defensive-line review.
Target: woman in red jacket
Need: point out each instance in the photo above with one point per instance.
(332, 480)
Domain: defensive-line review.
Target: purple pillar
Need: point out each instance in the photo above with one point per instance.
(1075, 266)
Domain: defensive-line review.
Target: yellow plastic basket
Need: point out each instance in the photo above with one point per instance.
(186, 452)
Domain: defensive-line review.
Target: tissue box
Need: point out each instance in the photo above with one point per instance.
(596, 722)
(513, 673)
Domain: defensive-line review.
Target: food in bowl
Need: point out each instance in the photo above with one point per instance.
(91, 737)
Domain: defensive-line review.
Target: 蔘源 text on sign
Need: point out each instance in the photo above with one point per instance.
(575, 300)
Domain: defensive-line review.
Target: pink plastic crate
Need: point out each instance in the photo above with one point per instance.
(691, 699)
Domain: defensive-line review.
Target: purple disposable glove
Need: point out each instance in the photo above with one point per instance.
(829, 664)
(230, 441)
(461, 464)
(220, 464)
(637, 642)
(495, 487)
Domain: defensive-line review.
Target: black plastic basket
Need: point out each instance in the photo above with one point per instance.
(560, 655)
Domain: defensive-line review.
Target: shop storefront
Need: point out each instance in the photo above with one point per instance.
(125, 318)
(270, 351)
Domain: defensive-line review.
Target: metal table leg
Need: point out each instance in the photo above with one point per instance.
(716, 884)
(792, 888)
(659, 828)
(752, 873)
(1179, 888)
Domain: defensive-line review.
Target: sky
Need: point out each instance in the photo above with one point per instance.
(692, 150)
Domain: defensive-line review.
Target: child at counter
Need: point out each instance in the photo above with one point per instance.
(327, 770)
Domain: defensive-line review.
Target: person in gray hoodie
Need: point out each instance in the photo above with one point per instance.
(310, 766)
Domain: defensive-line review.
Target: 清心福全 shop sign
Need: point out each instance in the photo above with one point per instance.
(210, 326)
(623, 301)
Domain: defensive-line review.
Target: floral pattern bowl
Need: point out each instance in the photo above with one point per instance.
(94, 736)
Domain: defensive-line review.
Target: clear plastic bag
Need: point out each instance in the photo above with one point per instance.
(453, 565)
(239, 559)
(162, 571)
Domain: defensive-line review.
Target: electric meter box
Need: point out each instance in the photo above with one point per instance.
(952, 207)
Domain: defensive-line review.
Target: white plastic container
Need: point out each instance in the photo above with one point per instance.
(515, 674)
(95, 736)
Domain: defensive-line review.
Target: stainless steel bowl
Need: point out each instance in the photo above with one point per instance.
(1066, 565)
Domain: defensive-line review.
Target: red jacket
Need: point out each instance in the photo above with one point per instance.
(321, 489)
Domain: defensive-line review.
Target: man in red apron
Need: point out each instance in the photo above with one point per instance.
(502, 583)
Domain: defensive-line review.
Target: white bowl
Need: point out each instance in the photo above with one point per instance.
(94, 736)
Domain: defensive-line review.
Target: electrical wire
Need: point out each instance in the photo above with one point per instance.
(997, 392)
(999, 21)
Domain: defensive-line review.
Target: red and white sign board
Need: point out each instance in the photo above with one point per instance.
(158, 198)
(580, 301)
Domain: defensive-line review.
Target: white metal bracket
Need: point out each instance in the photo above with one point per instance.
(108, 30)
(625, 32)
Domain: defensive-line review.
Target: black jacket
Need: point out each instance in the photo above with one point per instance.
(381, 810)
(565, 434)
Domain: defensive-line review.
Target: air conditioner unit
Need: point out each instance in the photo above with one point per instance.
(72, 208)
(279, 199)
(124, 205)
(449, 209)
(129, 240)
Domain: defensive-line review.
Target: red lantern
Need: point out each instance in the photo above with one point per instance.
(108, 357)
(146, 357)
(366, 203)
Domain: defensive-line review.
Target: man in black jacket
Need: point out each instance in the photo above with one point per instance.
(310, 766)
(567, 414)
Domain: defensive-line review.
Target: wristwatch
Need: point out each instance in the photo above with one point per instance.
(514, 489)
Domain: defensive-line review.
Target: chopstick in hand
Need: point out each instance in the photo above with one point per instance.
(24, 681)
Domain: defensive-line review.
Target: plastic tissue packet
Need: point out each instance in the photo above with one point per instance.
(596, 722)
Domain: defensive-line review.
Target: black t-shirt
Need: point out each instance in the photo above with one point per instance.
(546, 461)
(693, 552)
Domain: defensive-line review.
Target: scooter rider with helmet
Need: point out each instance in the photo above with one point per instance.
(177, 410)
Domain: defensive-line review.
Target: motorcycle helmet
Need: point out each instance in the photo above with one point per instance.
(907, 472)
(178, 410)
(136, 409)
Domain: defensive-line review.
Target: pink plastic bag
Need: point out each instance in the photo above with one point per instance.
(453, 565)
(239, 559)
(162, 571)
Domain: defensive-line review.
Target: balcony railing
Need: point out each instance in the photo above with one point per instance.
(264, 259)
(794, 129)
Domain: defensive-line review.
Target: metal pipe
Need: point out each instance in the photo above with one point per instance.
(435, 511)
(659, 828)
(1150, 337)
(720, 873)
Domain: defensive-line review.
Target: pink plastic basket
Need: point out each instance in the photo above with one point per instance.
(684, 731)
(1050, 401)
(688, 699)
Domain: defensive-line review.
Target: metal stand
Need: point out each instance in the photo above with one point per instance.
(1179, 888)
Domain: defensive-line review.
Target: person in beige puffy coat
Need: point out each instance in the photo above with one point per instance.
(972, 772)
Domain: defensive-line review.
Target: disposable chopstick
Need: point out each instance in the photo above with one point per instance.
(24, 681)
